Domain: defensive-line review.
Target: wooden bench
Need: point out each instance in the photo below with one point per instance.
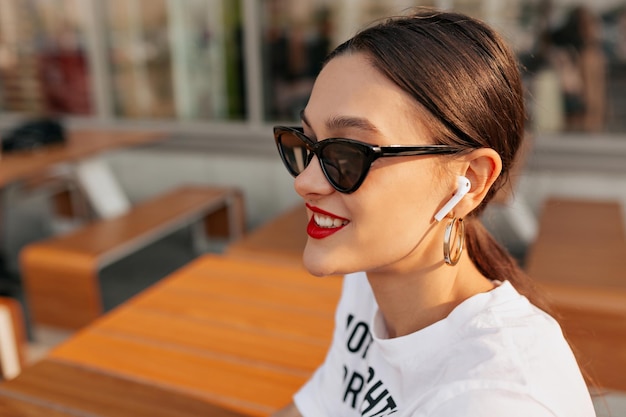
(60, 274)
(281, 239)
(579, 260)
(12, 338)
(239, 333)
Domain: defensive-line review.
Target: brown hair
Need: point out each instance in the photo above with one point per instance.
(467, 78)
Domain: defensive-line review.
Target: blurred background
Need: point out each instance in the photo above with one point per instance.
(215, 75)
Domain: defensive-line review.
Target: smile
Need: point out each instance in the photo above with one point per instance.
(328, 222)
(323, 224)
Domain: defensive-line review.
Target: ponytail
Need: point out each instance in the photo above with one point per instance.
(495, 262)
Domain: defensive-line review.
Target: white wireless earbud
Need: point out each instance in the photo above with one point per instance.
(463, 187)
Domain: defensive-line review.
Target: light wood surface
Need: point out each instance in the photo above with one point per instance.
(58, 389)
(240, 334)
(579, 260)
(581, 245)
(61, 274)
(281, 239)
(80, 144)
(563, 220)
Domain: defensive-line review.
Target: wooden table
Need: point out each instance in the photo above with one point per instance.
(19, 167)
(579, 260)
(80, 144)
(581, 245)
(58, 389)
(282, 239)
(238, 334)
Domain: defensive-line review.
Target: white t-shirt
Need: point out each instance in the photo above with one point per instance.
(495, 355)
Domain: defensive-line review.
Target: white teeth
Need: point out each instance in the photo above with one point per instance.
(328, 222)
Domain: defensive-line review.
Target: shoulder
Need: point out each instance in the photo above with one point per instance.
(509, 336)
(508, 355)
(479, 402)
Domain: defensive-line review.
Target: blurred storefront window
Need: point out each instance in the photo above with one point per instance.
(253, 62)
(43, 63)
(298, 35)
(176, 59)
(574, 65)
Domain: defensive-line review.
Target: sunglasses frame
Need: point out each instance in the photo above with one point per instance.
(371, 153)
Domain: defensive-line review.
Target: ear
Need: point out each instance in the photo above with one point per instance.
(482, 167)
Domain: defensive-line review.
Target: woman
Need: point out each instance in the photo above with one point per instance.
(421, 330)
(580, 61)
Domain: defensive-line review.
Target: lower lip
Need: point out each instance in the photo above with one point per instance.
(317, 232)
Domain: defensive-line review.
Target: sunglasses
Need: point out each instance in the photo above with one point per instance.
(345, 162)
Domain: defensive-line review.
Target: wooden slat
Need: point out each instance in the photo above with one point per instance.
(199, 275)
(254, 388)
(243, 343)
(20, 406)
(55, 389)
(282, 239)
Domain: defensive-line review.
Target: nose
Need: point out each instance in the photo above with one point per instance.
(312, 181)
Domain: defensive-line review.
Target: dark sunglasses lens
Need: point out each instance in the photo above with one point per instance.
(345, 164)
(293, 150)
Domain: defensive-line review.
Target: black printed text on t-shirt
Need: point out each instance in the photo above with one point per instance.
(365, 393)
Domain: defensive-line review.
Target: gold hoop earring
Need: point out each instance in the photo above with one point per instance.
(452, 255)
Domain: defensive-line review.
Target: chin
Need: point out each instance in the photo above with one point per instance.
(316, 268)
(322, 264)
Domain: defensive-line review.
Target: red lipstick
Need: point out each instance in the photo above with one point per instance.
(319, 232)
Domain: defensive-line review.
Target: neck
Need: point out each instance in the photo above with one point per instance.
(412, 301)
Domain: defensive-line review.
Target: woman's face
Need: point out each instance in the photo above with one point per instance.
(386, 225)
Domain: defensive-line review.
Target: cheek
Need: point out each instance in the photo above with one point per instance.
(409, 187)
(399, 205)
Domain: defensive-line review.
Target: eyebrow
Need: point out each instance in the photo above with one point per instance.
(339, 122)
